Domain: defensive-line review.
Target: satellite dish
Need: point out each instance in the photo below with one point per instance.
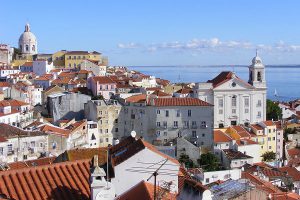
(133, 134)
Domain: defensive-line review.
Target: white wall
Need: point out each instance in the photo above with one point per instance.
(125, 177)
(252, 150)
(209, 177)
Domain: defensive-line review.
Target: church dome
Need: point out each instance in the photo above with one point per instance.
(28, 41)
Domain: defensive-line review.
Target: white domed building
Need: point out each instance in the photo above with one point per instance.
(28, 42)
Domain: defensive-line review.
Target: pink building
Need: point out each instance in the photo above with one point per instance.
(102, 85)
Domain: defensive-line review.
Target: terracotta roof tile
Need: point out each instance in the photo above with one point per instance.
(140, 98)
(144, 191)
(233, 154)
(31, 163)
(68, 180)
(221, 137)
(224, 77)
(294, 152)
(257, 127)
(241, 131)
(103, 80)
(291, 171)
(269, 123)
(179, 102)
(8, 131)
(245, 141)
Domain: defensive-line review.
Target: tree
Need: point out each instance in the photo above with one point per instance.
(99, 97)
(269, 156)
(185, 159)
(209, 162)
(16, 52)
(273, 110)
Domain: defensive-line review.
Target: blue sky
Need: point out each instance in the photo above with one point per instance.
(161, 32)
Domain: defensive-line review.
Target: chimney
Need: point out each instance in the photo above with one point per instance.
(99, 186)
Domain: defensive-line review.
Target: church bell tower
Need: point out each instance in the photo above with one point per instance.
(257, 73)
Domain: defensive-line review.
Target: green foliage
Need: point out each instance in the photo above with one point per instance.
(209, 162)
(16, 52)
(186, 160)
(273, 111)
(269, 156)
(99, 97)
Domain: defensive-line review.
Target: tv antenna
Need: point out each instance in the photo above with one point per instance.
(155, 173)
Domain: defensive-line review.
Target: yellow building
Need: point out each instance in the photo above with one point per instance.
(58, 58)
(265, 135)
(73, 59)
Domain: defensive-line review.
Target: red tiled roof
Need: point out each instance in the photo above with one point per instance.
(220, 137)
(257, 127)
(31, 163)
(183, 175)
(245, 141)
(27, 64)
(224, 77)
(103, 80)
(55, 130)
(294, 152)
(185, 91)
(285, 196)
(291, 171)
(130, 147)
(233, 154)
(68, 180)
(180, 102)
(8, 131)
(5, 84)
(144, 191)
(161, 94)
(269, 123)
(241, 131)
(13, 103)
(140, 98)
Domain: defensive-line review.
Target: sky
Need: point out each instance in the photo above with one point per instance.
(161, 32)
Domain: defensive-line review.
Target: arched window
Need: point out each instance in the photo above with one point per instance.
(27, 47)
(33, 47)
(258, 76)
(233, 101)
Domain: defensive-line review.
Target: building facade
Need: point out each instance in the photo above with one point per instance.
(236, 101)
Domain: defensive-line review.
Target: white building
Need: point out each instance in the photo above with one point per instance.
(236, 101)
(4, 72)
(41, 67)
(222, 175)
(6, 53)
(161, 120)
(28, 42)
(17, 144)
(131, 156)
(98, 70)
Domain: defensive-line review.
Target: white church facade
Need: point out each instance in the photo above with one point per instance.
(236, 101)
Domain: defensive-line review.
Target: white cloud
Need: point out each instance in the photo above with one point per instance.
(131, 45)
(213, 44)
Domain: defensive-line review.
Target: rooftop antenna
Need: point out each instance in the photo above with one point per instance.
(155, 173)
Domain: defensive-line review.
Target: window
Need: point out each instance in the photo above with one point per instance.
(220, 111)
(273, 138)
(165, 133)
(32, 144)
(157, 124)
(106, 130)
(220, 102)
(24, 157)
(270, 147)
(203, 134)
(233, 111)
(233, 101)
(74, 64)
(186, 124)
(158, 112)
(246, 110)
(116, 130)
(167, 113)
(269, 139)
(157, 133)
(1, 151)
(203, 124)
(93, 137)
(207, 180)
(116, 121)
(258, 76)
(106, 139)
(259, 103)
(27, 48)
(247, 102)
(258, 114)
(178, 113)
(269, 130)
(189, 113)
(221, 125)
(176, 124)
(194, 134)
(165, 124)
